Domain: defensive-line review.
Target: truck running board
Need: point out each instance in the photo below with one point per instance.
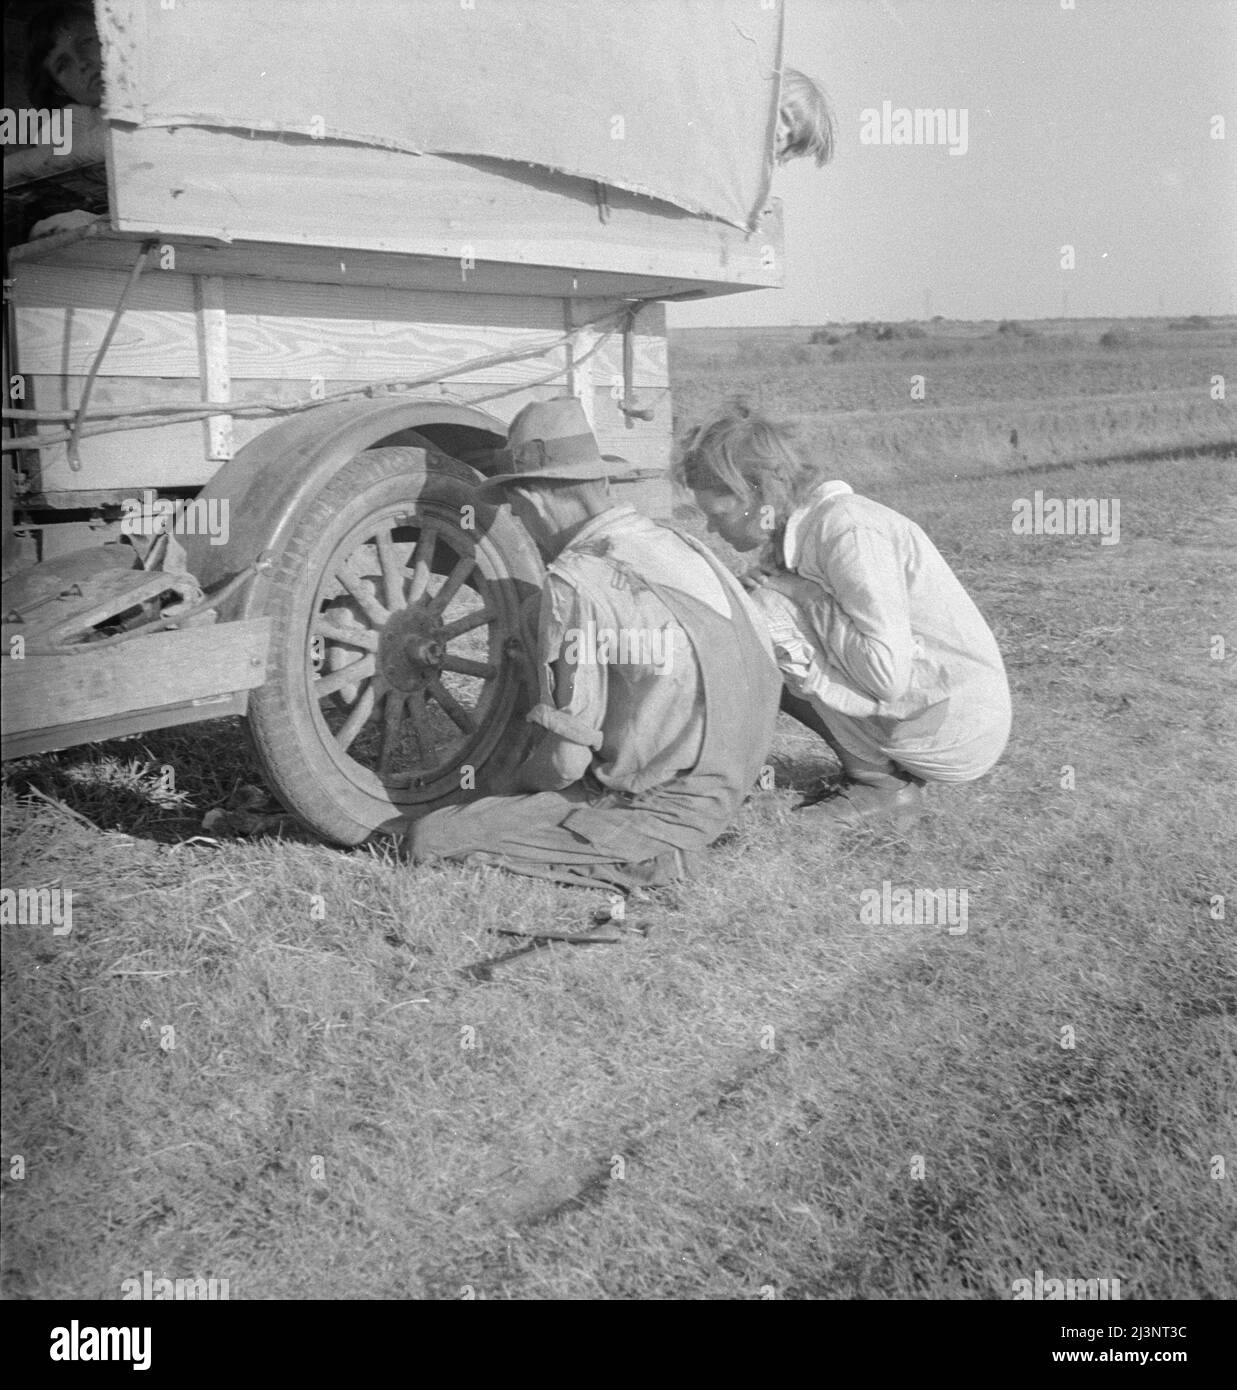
(177, 677)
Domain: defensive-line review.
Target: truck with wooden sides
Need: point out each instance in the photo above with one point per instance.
(249, 406)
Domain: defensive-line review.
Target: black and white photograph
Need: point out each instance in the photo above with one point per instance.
(619, 628)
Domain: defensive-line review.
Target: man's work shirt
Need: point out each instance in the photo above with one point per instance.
(638, 697)
(654, 664)
(900, 646)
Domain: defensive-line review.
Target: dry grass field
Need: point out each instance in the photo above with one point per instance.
(754, 1092)
(991, 396)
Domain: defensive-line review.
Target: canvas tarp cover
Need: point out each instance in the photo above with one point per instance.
(674, 99)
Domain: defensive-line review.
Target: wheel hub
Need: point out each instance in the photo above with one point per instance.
(411, 649)
(424, 651)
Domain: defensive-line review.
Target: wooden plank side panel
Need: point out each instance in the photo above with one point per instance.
(251, 296)
(644, 442)
(171, 456)
(650, 357)
(101, 247)
(294, 342)
(199, 182)
(98, 287)
(165, 668)
(174, 456)
(279, 331)
(305, 348)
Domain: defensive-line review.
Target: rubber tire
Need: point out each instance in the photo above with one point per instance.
(286, 735)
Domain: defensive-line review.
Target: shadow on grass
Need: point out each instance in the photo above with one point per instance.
(155, 786)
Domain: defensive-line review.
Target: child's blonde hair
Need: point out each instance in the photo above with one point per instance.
(804, 111)
(741, 451)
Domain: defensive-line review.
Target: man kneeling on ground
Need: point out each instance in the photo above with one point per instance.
(658, 690)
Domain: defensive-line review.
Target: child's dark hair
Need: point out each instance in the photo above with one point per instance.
(46, 22)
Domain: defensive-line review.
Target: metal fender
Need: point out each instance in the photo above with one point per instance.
(272, 476)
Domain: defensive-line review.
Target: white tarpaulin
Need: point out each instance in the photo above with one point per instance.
(673, 99)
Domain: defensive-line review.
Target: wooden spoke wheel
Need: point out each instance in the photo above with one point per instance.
(395, 677)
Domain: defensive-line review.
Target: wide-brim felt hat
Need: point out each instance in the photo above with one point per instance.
(550, 441)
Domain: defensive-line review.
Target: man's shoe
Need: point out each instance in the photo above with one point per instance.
(825, 788)
(857, 803)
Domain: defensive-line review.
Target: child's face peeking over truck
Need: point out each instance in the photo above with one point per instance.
(74, 62)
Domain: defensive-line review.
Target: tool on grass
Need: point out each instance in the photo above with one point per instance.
(605, 931)
(599, 933)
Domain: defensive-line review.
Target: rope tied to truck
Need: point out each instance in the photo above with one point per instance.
(75, 430)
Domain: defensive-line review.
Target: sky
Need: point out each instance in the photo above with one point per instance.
(1090, 127)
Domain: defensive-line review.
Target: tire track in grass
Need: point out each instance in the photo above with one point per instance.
(565, 1183)
(1226, 449)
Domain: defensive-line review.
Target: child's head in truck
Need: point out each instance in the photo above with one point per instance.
(64, 66)
(804, 121)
